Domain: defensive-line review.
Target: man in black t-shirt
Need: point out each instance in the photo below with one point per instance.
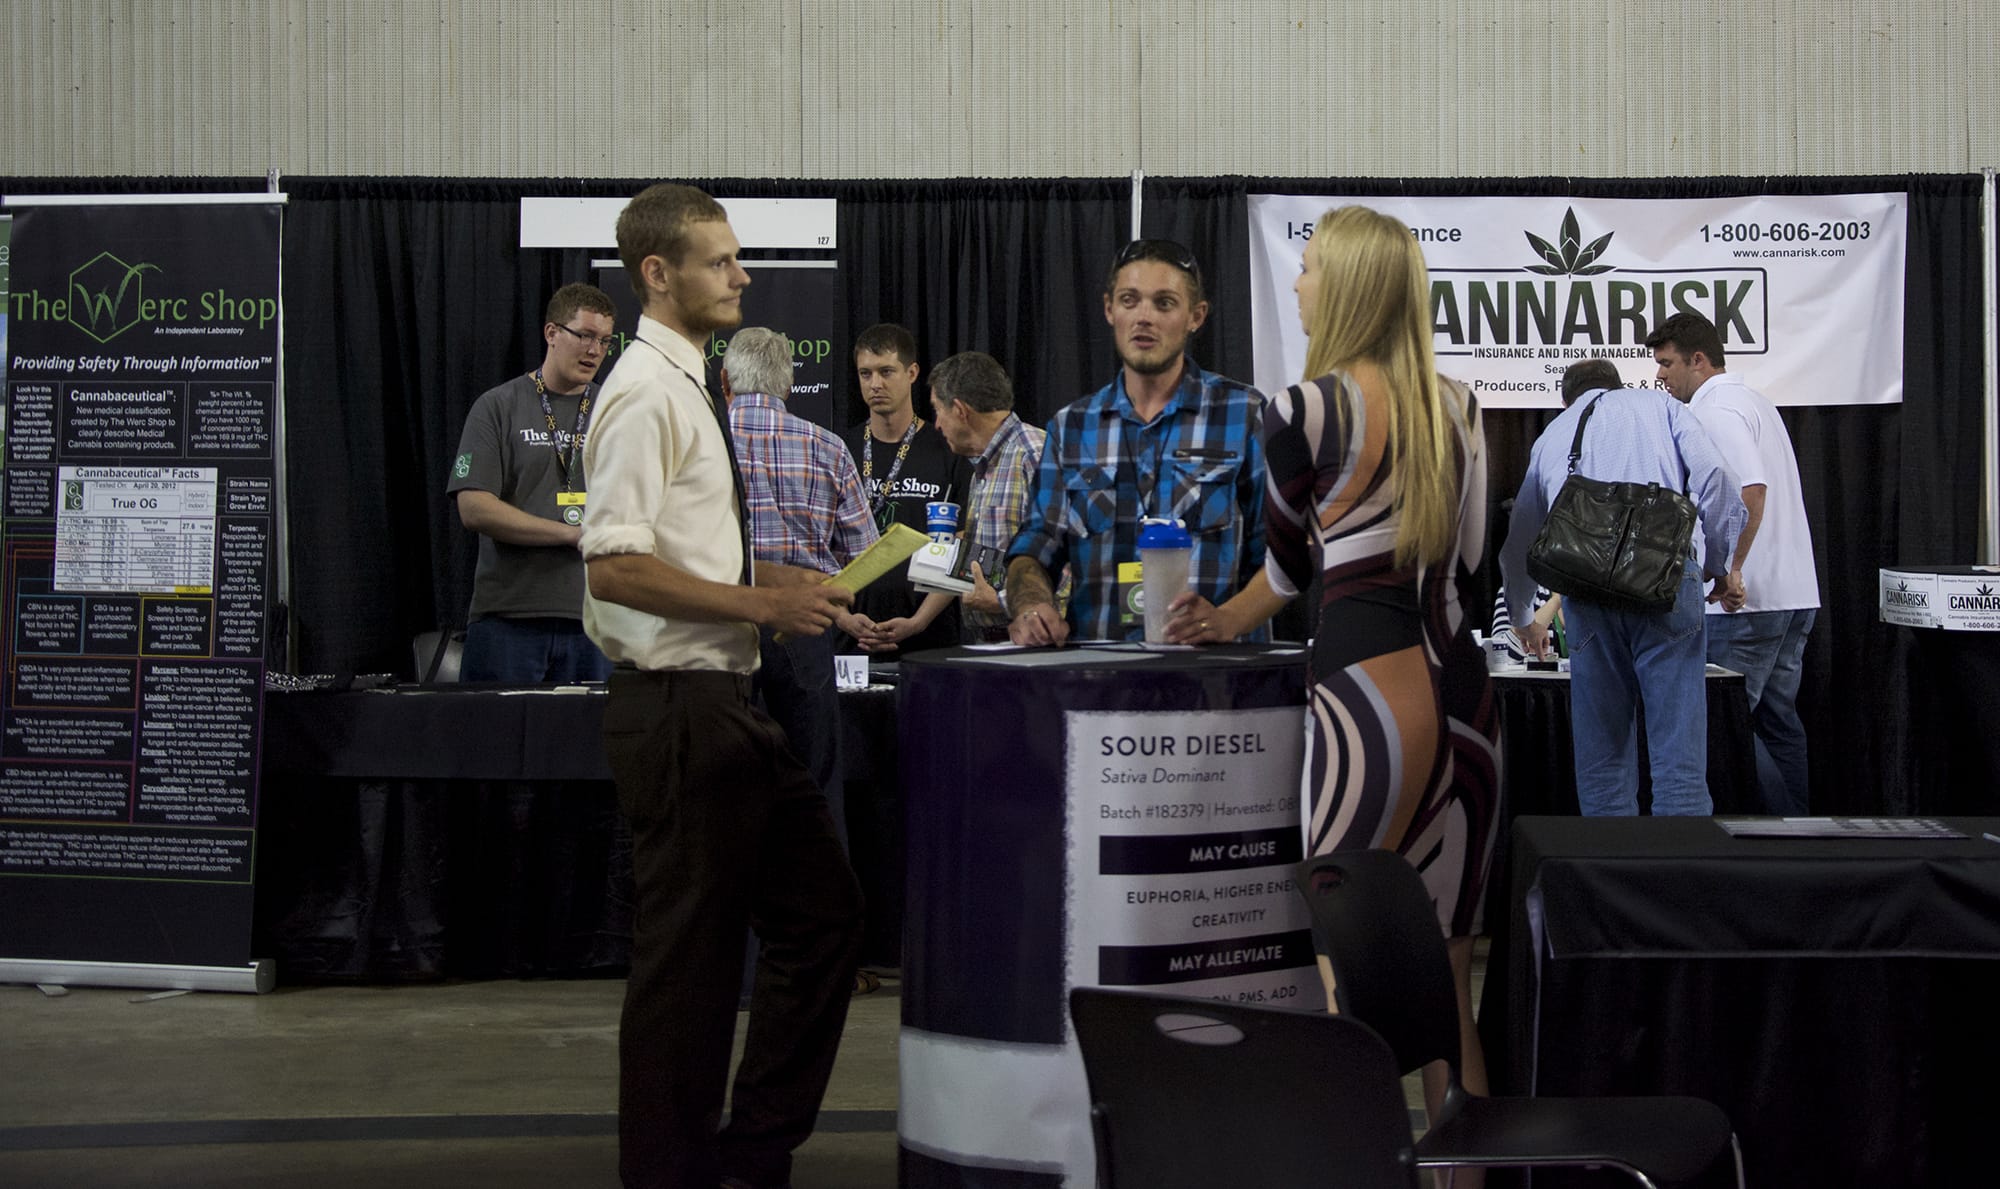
(518, 483)
(905, 463)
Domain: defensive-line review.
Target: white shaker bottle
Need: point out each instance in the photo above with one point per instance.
(1165, 550)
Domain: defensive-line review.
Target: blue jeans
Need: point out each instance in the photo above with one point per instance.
(1769, 649)
(1620, 660)
(530, 650)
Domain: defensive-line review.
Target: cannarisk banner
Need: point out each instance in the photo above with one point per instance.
(1806, 290)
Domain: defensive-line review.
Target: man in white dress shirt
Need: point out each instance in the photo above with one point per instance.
(729, 832)
(1763, 635)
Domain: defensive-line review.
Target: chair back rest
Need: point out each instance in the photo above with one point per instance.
(1374, 920)
(1194, 1094)
(438, 654)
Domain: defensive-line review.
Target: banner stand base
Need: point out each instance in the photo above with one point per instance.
(253, 978)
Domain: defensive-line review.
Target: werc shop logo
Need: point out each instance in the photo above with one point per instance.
(1564, 304)
(107, 296)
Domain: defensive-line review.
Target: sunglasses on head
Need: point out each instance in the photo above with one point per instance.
(1165, 251)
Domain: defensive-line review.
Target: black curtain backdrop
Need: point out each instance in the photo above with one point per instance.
(1011, 268)
(406, 298)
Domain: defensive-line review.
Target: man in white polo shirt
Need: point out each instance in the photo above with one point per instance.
(1763, 634)
(728, 827)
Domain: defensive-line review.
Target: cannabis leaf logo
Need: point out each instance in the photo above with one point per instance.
(1570, 260)
(1984, 590)
(1902, 586)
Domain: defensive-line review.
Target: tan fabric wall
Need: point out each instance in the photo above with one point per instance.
(912, 88)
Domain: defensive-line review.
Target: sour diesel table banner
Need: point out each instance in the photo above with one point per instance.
(1178, 880)
(139, 537)
(1082, 817)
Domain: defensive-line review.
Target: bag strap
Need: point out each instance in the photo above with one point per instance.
(1576, 446)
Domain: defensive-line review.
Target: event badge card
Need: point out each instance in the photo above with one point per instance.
(1131, 592)
(850, 672)
(1838, 827)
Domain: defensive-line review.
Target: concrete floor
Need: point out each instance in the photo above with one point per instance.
(492, 1084)
(497, 1084)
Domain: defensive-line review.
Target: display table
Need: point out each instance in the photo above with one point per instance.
(1082, 816)
(472, 831)
(1953, 613)
(1538, 768)
(1539, 752)
(465, 830)
(1835, 998)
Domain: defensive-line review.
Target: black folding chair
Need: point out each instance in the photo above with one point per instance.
(1374, 920)
(1196, 1094)
(438, 654)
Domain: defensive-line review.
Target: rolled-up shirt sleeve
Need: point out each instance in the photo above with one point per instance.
(1041, 535)
(1531, 508)
(626, 484)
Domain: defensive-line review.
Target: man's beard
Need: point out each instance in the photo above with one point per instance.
(1151, 367)
(717, 316)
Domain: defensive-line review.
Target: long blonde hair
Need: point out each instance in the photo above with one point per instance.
(1373, 304)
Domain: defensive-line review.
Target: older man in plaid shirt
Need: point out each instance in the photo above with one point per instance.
(1163, 439)
(974, 403)
(806, 509)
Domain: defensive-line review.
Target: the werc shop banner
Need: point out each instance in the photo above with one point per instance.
(139, 538)
(799, 299)
(1806, 290)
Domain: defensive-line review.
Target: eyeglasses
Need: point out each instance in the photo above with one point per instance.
(607, 342)
(1165, 251)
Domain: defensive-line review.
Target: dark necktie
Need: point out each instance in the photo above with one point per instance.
(721, 411)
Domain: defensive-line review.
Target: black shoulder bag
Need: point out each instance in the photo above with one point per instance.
(1623, 545)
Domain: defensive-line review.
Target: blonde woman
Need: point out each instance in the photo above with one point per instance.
(1377, 487)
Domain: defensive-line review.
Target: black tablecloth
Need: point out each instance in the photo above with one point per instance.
(1952, 675)
(473, 831)
(1539, 751)
(1835, 997)
(1539, 777)
(450, 830)
(1955, 694)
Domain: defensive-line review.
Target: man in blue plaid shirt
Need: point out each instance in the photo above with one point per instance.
(1163, 439)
